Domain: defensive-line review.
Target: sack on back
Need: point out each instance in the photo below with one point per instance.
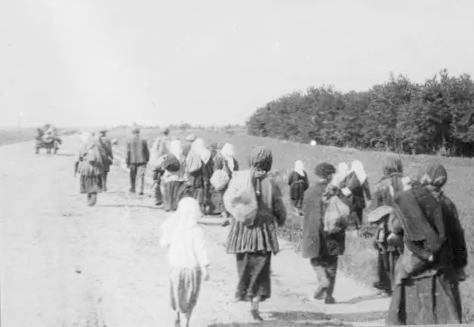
(219, 179)
(335, 215)
(240, 199)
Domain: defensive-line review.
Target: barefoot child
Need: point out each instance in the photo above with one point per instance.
(187, 257)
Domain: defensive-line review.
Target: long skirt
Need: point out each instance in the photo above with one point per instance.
(429, 300)
(185, 284)
(90, 184)
(171, 195)
(297, 194)
(254, 276)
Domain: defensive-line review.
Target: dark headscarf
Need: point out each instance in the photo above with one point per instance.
(324, 169)
(392, 165)
(261, 158)
(436, 175)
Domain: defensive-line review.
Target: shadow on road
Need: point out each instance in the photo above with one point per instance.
(126, 206)
(359, 299)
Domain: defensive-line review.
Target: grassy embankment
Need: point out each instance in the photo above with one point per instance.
(360, 258)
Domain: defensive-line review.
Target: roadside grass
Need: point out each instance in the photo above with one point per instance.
(359, 259)
(14, 135)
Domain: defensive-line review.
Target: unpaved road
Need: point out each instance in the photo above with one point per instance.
(66, 264)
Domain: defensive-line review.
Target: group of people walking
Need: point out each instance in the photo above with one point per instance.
(421, 251)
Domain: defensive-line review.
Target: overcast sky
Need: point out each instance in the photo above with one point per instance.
(105, 62)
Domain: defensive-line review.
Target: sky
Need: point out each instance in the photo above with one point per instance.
(212, 62)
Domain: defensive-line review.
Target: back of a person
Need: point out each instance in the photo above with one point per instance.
(181, 252)
(313, 219)
(136, 148)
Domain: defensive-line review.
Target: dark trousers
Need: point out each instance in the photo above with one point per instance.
(104, 180)
(137, 170)
(386, 268)
(326, 269)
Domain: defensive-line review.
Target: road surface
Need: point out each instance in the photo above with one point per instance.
(65, 264)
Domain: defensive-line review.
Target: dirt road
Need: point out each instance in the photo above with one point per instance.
(66, 264)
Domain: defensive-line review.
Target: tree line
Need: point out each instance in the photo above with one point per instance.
(398, 115)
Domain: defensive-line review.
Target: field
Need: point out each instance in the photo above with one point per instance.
(14, 135)
(360, 258)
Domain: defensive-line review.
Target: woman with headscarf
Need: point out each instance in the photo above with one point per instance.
(187, 257)
(321, 247)
(254, 244)
(430, 294)
(341, 173)
(358, 187)
(388, 242)
(298, 182)
(225, 160)
(171, 179)
(89, 165)
(201, 178)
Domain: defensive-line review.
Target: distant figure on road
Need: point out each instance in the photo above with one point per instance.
(89, 165)
(389, 249)
(357, 184)
(137, 159)
(187, 257)
(158, 150)
(318, 245)
(224, 160)
(108, 154)
(254, 244)
(298, 182)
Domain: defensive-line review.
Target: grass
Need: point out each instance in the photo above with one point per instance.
(15, 135)
(359, 259)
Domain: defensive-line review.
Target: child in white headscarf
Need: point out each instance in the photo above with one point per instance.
(187, 257)
(357, 185)
(298, 182)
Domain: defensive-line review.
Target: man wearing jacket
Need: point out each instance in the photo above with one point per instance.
(137, 159)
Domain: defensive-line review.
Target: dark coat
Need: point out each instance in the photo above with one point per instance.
(137, 151)
(316, 242)
(106, 148)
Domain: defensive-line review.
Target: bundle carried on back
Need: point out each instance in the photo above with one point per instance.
(336, 215)
(240, 199)
(220, 179)
(421, 217)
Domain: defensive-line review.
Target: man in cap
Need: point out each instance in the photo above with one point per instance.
(137, 159)
(108, 155)
(320, 247)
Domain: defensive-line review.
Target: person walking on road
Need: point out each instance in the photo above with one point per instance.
(158, 150)
(89, 166)
(254, 244)
(187, 257)
(137, 159)
(108, 154)
(318, 245)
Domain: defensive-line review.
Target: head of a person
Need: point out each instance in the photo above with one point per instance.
(261, 159)
(188, 213)
(136, 131)
(190, 138)
(102, 132)
(299, 167)
(166, 132)
(325, 171)
(228, 150)
(392, 165)
(435, 176)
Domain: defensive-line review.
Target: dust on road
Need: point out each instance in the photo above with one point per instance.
(66, 264)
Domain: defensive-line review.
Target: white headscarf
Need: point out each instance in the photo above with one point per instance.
(185, 217)
(176, 149)
(358, 168)
(341, 172)
(85, 137)
(200, 149)
(299, 167)
(227, 152)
